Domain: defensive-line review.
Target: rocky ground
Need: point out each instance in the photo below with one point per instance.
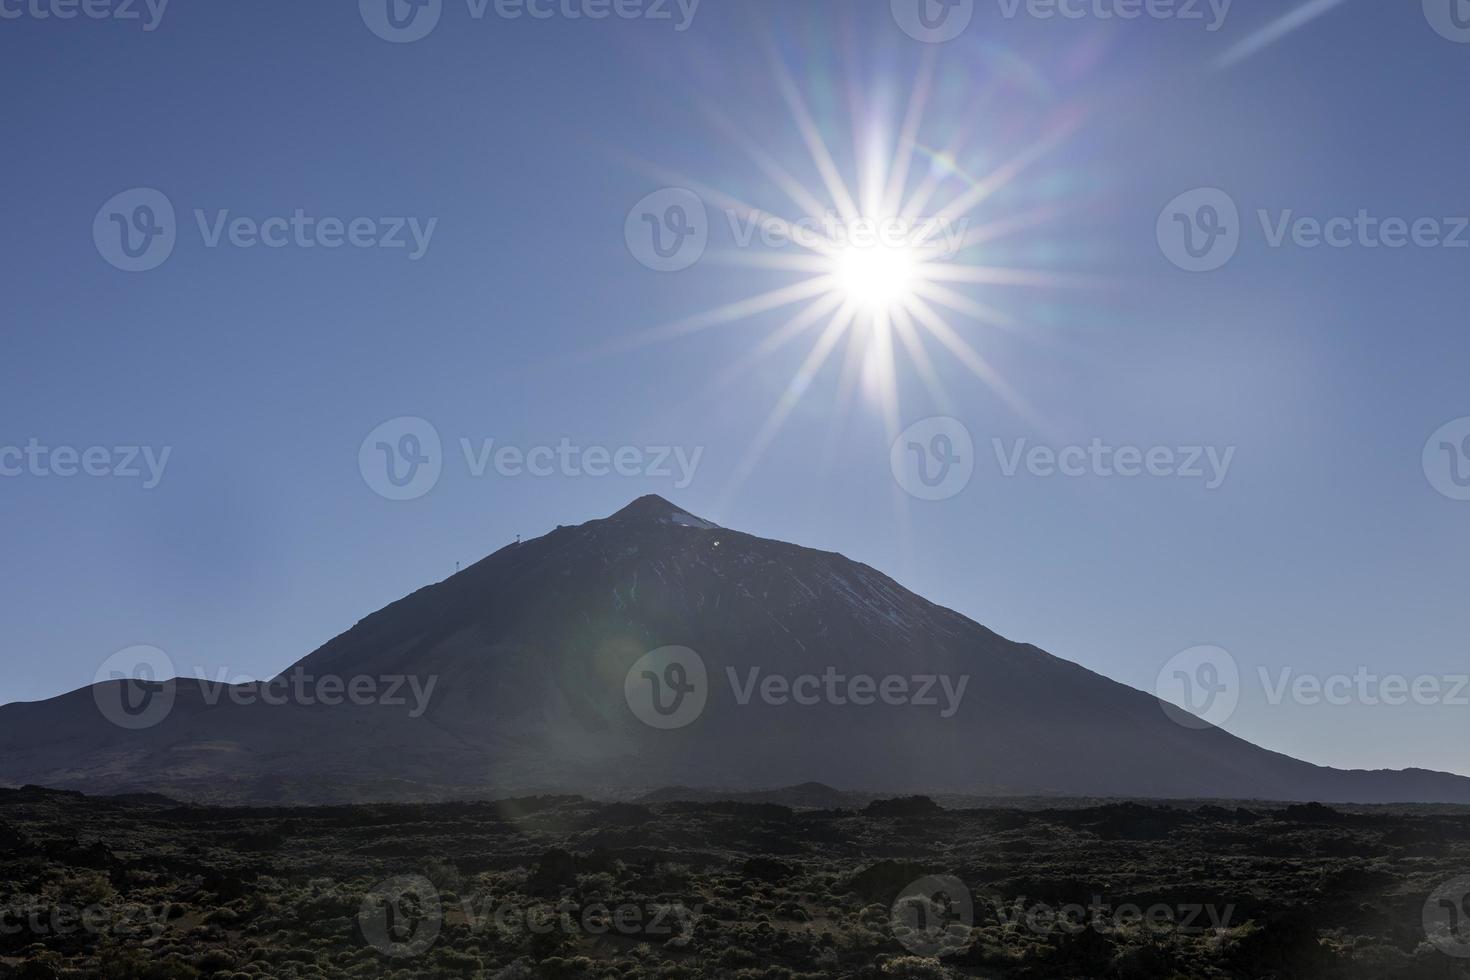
(566, 888)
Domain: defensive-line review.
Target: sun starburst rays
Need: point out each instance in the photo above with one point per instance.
(877, 257)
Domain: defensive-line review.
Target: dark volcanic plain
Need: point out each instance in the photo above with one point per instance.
(563, 887)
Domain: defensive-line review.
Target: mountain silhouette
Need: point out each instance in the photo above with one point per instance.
(528, 672)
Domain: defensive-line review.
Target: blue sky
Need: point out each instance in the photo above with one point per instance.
(1326, 548)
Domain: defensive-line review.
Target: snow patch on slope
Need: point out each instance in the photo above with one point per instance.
(689, 520)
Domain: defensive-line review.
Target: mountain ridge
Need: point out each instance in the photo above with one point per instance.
(529, 650)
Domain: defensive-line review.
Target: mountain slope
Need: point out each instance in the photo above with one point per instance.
(528, 650)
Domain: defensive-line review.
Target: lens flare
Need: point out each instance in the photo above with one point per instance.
(880, 254)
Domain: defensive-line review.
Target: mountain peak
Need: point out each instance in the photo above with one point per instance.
(523, 677)
(653, 509)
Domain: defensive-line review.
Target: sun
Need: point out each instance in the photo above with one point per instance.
(876, 278)
(875, 257)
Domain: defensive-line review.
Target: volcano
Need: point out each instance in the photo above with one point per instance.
(651, 649)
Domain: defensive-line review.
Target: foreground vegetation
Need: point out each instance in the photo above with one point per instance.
(561, 887)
